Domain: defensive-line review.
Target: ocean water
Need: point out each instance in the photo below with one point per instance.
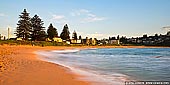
(114, 65)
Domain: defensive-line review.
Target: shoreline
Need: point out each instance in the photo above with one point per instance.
(20, 65)
(99, 78)
(87, 75)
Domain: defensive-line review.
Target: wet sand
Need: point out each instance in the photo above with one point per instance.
(19, 65)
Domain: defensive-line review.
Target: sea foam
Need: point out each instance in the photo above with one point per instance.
(89, 75)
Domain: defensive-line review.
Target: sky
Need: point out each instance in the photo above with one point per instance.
(91, 18)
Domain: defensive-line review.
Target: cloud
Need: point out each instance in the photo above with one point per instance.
(1, 15)
(79, 12)
(86, 16)
(84, 11)
(98, 35)
(58, 17)
(94, 35)
(93, 19)
(91, 15)
(64, 21)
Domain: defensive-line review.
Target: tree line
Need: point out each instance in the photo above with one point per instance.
(33, 29)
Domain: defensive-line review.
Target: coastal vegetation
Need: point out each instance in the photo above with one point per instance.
(52, 32)
(65, 33)
(30, 31)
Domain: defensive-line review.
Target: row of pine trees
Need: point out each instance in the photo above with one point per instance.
(33, 29)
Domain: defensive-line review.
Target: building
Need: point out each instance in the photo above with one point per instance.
(114, 41)
(117, 42)
(57, 39)
(94, 41)
(159, 40)
(74, 39)
(48, 39)
(19, 39)
(78, 41)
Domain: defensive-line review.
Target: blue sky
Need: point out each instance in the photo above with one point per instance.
(92, 18)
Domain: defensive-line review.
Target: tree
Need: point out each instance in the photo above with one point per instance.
(52, 32)
(65, 33)
(80, 37)
(42, 36)
(118, 37)
(74, 35)
(24, 26)
(38, 32)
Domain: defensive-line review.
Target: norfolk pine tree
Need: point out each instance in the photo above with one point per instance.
(38, 33)
(52, 32)
(24, 26)
(74, 35)
(65, 33)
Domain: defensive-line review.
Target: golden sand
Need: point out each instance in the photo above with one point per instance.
(19, 66)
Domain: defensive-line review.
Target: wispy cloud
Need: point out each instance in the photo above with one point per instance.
(94, 35)
(58, 17)
(98, 35)
(84, 11)
(2, 14)
(61, 19)
(87, 16)
(93, 19)
(91, 15)
(79, 12)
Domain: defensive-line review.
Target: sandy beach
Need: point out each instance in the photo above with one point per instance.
(19, 65)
